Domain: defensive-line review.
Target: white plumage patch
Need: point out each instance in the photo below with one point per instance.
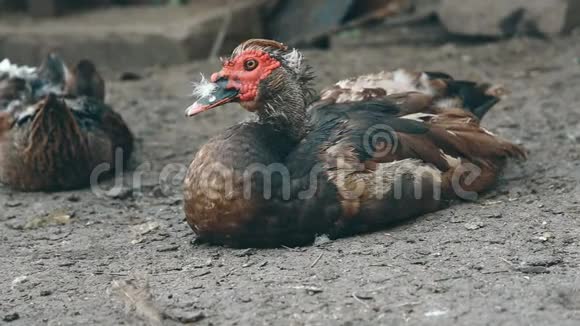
(488, 132)
(452, 161)
(421, 117)
(448, 103)
(16, 71)
(203, 88)
(404, 80)
(392, 82)
(293, 59)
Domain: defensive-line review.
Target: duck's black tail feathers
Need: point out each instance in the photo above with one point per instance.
(476, 98)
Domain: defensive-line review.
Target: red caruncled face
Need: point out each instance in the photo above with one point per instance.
(245, 71)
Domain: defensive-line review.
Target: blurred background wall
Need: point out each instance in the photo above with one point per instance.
(126, 34)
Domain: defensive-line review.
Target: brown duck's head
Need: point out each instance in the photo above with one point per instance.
(85, 80)
(261, 75)
(82, 80)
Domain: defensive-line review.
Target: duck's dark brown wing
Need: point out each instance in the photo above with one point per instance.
(384, 166)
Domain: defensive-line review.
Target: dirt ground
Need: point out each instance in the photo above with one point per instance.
(510, 258)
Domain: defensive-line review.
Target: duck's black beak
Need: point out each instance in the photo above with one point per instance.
(219, 94)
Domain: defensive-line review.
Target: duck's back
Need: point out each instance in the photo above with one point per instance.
(413, 92)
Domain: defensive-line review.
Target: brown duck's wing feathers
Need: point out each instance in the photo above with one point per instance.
(415, 92)
(387, 167)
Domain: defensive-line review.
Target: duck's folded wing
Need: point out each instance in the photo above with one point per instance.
(363, 145)
(366, 164)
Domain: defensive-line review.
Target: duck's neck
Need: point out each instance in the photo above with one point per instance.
(285, 110)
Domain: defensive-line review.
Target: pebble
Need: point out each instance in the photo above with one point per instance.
(245, 253)
(130, 76)
(13, 204)
(186, 317)
(474, 225)
(45, 293)
(546, 236)
(73, 198)
(11, 317)
(167, 248)
(532, 269)
(121, 194)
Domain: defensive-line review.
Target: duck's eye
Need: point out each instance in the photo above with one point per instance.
(250, 64)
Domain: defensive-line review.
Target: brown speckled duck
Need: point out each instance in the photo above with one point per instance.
(55, 128)
(367, 152)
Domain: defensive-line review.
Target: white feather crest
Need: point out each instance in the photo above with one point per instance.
(203, 88)
(16, 71)
(293, 59)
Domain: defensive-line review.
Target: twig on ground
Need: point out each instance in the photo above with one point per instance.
(316, 260)
(360, 301)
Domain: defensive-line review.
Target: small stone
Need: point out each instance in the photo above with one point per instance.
(129, 76)
(545, 261)
(168, 248)
(121, 194)
(73, 198)
(45, 293)
(19, 280)
(11, 317)
(494, 215)
(532, 269)
(55, 218)
(245, 253)
(321, 240)
(248, 264)
(546, 236)
(436, 313)
(423, 252)
(474, 225)
(145, 228)
(466, 58)
(12, 204)
(185, 317)
(313, 290)
(363, 296)
(500, 309)
(67, 263)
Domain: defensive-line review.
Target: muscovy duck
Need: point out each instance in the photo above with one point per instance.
(367, 152)
(55, 128)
